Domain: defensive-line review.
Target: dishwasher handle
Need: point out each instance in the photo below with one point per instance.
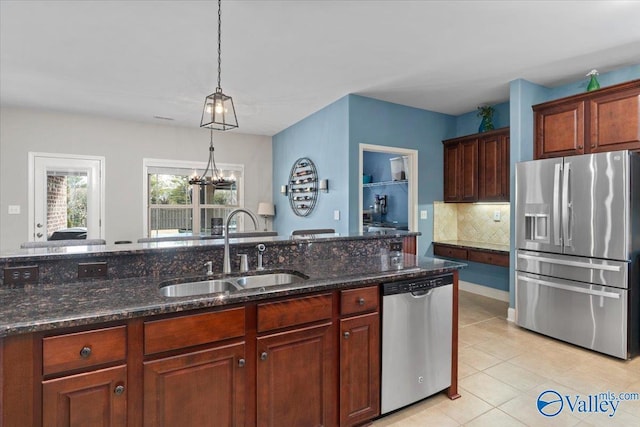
(421, 294)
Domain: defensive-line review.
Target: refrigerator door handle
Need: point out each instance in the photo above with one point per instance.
(566, 205)
(556, 204)
(615, 268)
(570, 288)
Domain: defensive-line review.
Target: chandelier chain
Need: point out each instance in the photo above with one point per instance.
(219, 38)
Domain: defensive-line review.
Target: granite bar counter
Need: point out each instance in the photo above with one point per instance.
(45, 307)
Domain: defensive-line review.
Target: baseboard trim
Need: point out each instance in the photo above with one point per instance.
(511, 315)
(485, 291)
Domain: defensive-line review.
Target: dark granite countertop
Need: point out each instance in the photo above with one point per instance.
(57, 253)
(47, 307)
(504, 249)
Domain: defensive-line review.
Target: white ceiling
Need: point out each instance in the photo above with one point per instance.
(284, 60)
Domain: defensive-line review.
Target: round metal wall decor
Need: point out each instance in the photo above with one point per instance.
(303, 186)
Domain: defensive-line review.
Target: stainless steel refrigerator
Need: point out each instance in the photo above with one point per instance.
(577, 225)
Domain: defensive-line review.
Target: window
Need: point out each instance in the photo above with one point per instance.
(174, 207)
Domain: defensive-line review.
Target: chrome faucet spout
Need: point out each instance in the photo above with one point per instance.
(226, 268)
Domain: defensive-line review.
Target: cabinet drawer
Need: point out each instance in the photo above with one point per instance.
(281, 314)
(359, 300)
(449, 252)
(488, 258)
(196, 329)
(83, 349)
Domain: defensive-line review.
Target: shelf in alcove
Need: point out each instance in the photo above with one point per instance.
(383, 183)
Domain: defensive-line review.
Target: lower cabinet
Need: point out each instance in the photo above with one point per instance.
(96, 398)
(359, 369)
(203, 388)
(294, 377)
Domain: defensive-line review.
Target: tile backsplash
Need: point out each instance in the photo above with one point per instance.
(473, 222)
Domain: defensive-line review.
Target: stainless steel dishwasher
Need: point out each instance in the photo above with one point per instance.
(416, 340)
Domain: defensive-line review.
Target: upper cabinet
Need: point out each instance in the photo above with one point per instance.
(476, 167)
(603, 120)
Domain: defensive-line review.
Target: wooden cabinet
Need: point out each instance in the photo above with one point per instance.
(472, 254)
(603, 120)
(201, 388)
(476, 167)
(493, 167)
(96, 397)
(359, 356)
(461, 170)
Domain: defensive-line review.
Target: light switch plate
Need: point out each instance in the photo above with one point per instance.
(496, 215)
(423, 214)
(336, 215)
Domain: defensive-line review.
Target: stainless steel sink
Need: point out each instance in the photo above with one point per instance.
(271, 279)
(229, 285)
(198, 288)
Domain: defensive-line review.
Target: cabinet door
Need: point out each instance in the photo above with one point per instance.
(559, 130)
(451, 172)
(203, 388)
(469, 170)
(359, 369)
(493, 173)
(295, 385)
(615, 121)
(95, 398)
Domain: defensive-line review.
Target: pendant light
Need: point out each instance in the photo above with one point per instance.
(216, 180)
(219, 112)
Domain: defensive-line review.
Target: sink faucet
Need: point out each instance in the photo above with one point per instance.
(261, 248)
(226, 267)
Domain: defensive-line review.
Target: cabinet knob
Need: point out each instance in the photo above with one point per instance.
(241, 363)
(360, 301)
(263, 356)
(118, 390)
(346, 335)
(85, 352)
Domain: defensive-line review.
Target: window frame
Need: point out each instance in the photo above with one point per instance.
(148, 163)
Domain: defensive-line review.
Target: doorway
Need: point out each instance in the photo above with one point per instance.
(66, 196)
(403, 182)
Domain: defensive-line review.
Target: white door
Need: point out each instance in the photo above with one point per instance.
(66, 191)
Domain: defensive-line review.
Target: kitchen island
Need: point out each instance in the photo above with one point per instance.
(118, 349)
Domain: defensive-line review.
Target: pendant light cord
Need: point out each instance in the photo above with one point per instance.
(219, 38)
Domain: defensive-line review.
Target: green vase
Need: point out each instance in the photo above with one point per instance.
(593, 83)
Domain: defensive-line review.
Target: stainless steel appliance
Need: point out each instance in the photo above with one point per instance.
(578, 250)
(416, 340)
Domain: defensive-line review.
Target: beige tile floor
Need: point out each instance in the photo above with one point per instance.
(503, 369)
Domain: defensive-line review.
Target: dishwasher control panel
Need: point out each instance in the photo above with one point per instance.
(417, 285)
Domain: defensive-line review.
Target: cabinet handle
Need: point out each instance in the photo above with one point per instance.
(263, 356)
(346, 335)
(119, 390)
(360, 301)
(241, 363)
(580, 147)
(85, 352)
(39, 234)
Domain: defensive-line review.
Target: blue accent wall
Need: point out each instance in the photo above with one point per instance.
(383, 123)
(322, 137)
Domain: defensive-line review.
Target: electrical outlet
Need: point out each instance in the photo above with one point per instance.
(14, 210)
(336, 215)
(423, 214)
(21, 275)
(496, 215)
(92, 270)
(395, 247)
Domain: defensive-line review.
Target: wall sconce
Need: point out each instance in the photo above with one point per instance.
(284, 190)
(324, 185)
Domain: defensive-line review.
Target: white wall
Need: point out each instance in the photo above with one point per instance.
(124, 144)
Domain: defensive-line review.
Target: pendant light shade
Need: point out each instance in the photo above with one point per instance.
(218, 112)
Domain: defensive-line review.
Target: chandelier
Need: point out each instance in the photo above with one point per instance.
(216, 180)
(219, 112)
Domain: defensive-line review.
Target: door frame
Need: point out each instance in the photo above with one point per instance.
(412, 190)
(72, 158)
